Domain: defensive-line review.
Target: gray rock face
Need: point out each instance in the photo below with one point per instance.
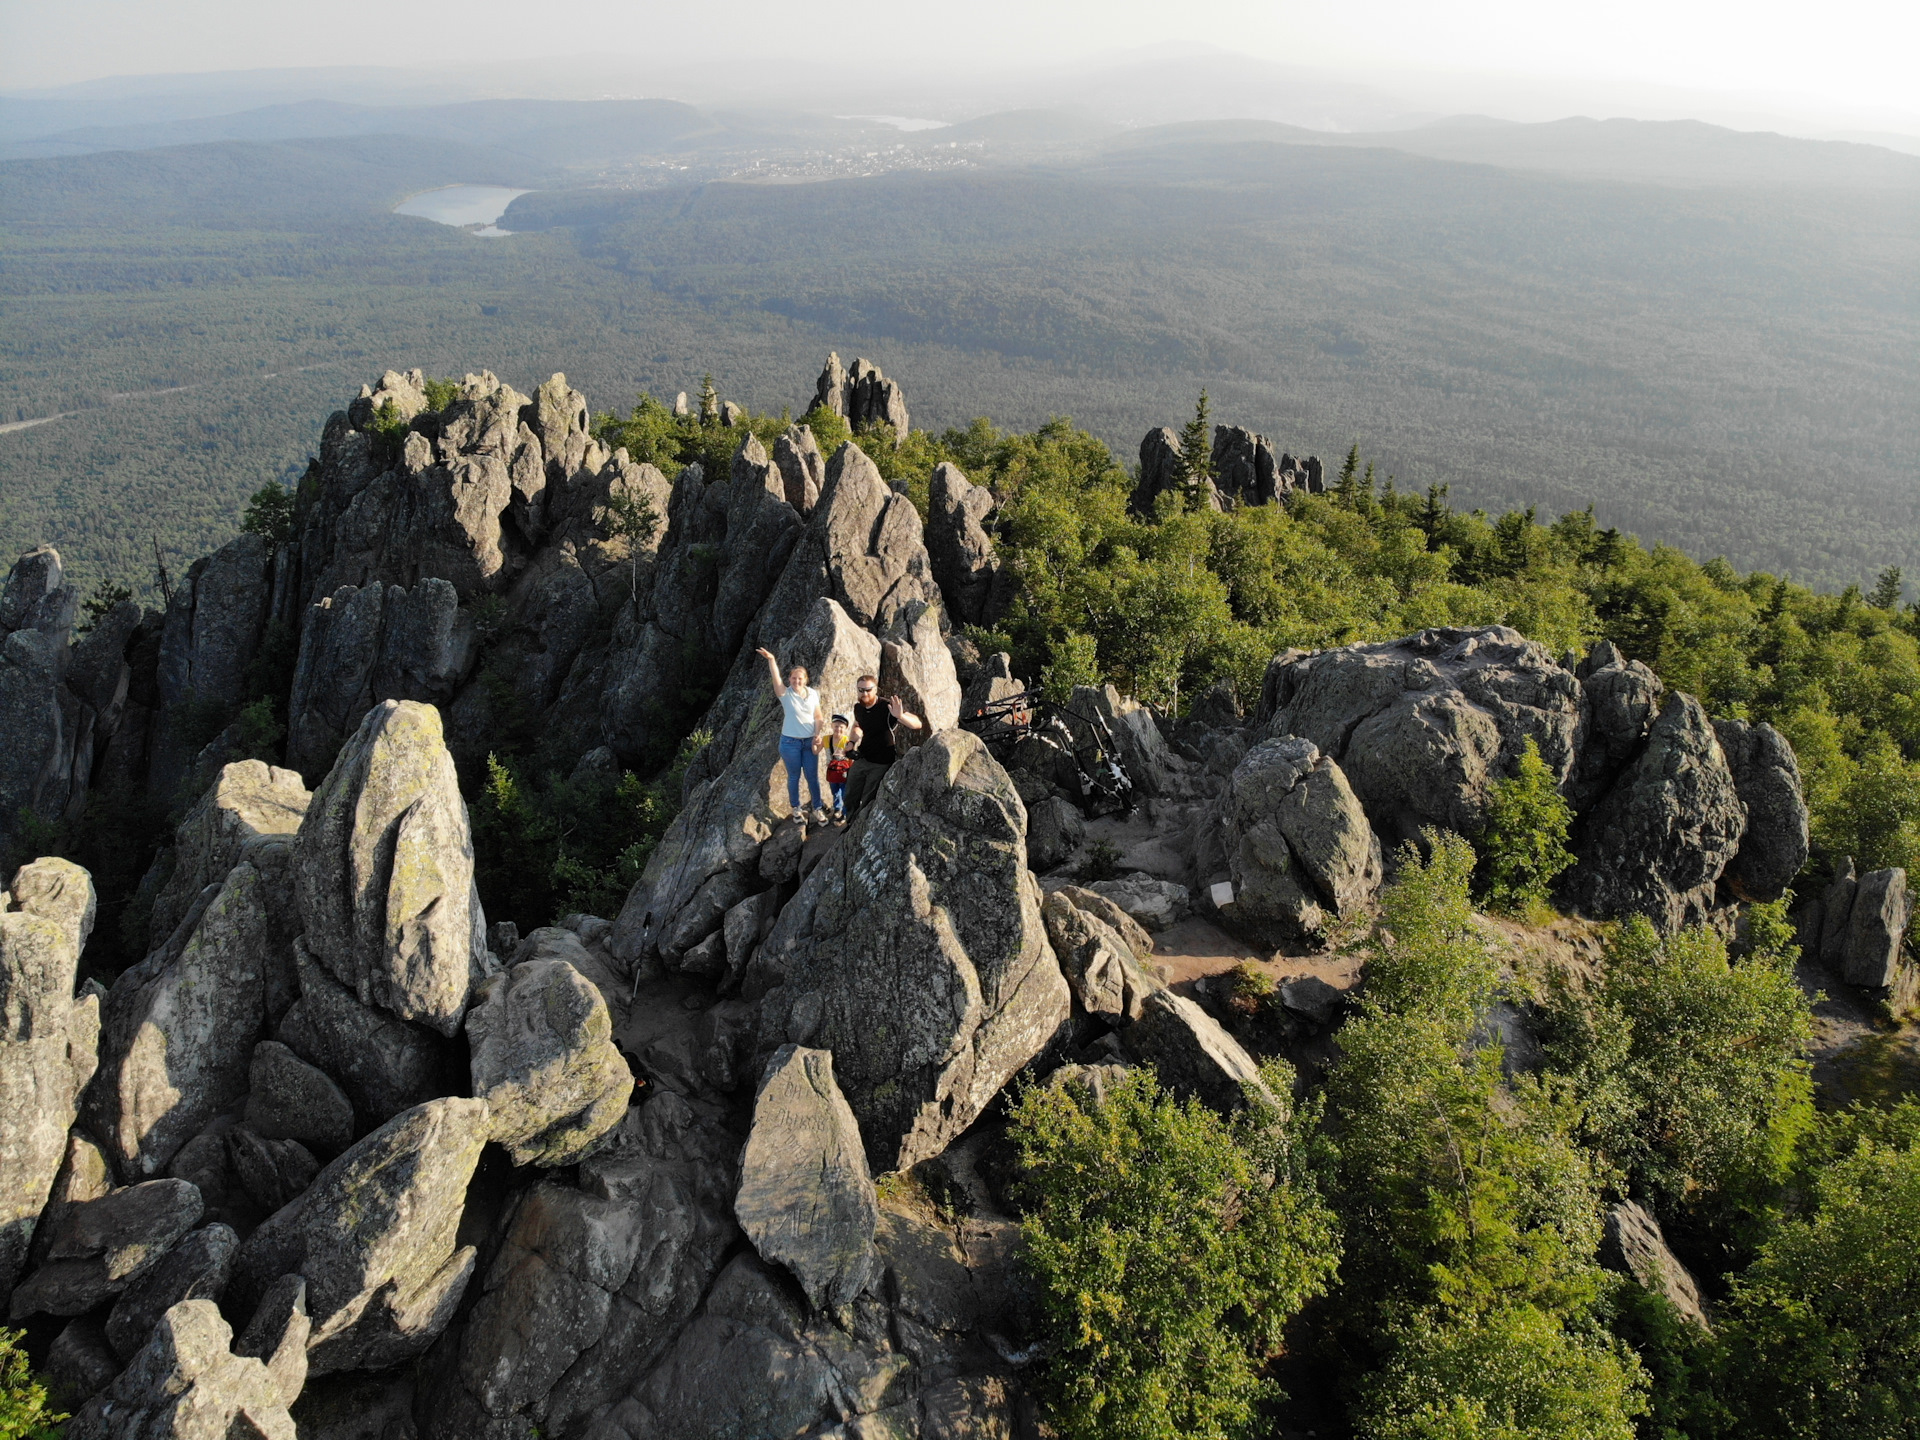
(1656, 844)
(591, 1285)
(1634, 1245)
(363, 644)
(288, 1099)
(1836, 909)
(862, 396)
(277, 1335)
(384, 871)
(1767, 778)
(803, 469)
(35, 596)
(1054, 831)
(1423, 726)
(375, 1239)
(213, 629)
(961, 549)
(543, 1059)
(272, 1172)
(1296, 845)
(195, 1269)
(915, 952)
(806, 1200)
(1151, 764)
(1191, 1054)
(179, 1030)
(1153, 904)
(1101, 965)
(1244, 467)
(1163, 469)
(185, 1384)
(48, 1041)
(249, 800)
(1621, 699)
(1876, 925)
(382, 1063)
(80, 1361)
(105, 1245)
(36, 763)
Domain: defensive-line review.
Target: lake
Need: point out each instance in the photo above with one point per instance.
(463, 205)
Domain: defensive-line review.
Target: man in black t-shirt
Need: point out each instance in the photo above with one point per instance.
(874, 725)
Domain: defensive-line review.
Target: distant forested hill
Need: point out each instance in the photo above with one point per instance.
(1729, 368)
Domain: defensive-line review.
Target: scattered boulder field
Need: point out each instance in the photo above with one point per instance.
(665, 1174)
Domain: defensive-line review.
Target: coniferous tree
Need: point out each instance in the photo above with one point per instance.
(1196, 446)
(1885, 594)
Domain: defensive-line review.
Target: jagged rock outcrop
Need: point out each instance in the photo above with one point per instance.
(861, 396)
(1657, 843)
(384, 871)
(1164, 468)
(1873, 927)
(178, 1030)
(48, 1041)
(960, 547)
(916, 953)
(1423, 726)
(543, 1059)
(806, 1199)
(374, 1238)
(1620, 699)
(1192, 1055)
(1774, 846)
(277, 1335)
(803, 469)
(44, 711)
(212, 631)
(1245, 468)
(196, 1268)
(384, 1064)
(249, 801)
(1102, 965)
(103, 1246)
(187, 1384)
(1293, 843)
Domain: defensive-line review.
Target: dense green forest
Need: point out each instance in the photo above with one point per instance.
(1727, 368)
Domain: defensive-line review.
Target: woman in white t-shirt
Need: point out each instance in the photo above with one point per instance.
(799, 734)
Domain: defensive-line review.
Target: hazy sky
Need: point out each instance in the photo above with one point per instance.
(1857, 54)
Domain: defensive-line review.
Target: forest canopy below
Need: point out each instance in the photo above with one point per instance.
(1725, 368)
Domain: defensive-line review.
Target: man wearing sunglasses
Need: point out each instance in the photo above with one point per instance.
(874, 725)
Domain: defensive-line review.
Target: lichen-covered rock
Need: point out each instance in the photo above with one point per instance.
(1191, 1054)
(591, 1285)
(1876, 925)
(272, 1172)
(915, 952)
(375, 1238)
(1295, 845)
(1657, 842)
(384, 1064)
(384, 871)
(1766, 776)
(1101, 965)
(277, 1335)
(806, 1200)
(1149, 901)
(288, 1099)
(250, 799)
(1619, 700)
(1424, 725)
(961, 551)
(803, 469)
(186, 1384)
(543, 1059)
(48, 1041)
(194, 1269)
(179, 1030)
(1055, 830)
(105, 1245)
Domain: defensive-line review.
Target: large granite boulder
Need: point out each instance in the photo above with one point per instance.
(36, 595)
(1192, 1055)
(1634, 1244)
(806, 1200)
(544, 1060)
(39, 720)
(179, 1029)
(1103, 967)
(916, 953)
(1619, 700)
(1423, 726)
(384, 1064)
(590, 1285)
(1876, 925)
(1766, 776)
(965, 566)
(288, 1099)
(1657, 842)
(187, 1384)
(196, 1268)
(103, 1246)
(803, 469)
(1294, 844)
(375, 1237)
(1164, 469)
(48, 1041)
(249, 800)
(384, 871)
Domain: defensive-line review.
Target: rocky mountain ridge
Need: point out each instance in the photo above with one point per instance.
(617, 1177)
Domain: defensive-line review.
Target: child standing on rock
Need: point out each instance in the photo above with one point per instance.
(800, 731)
(838, 745)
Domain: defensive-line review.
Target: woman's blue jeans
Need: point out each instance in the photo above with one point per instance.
(796, 752)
